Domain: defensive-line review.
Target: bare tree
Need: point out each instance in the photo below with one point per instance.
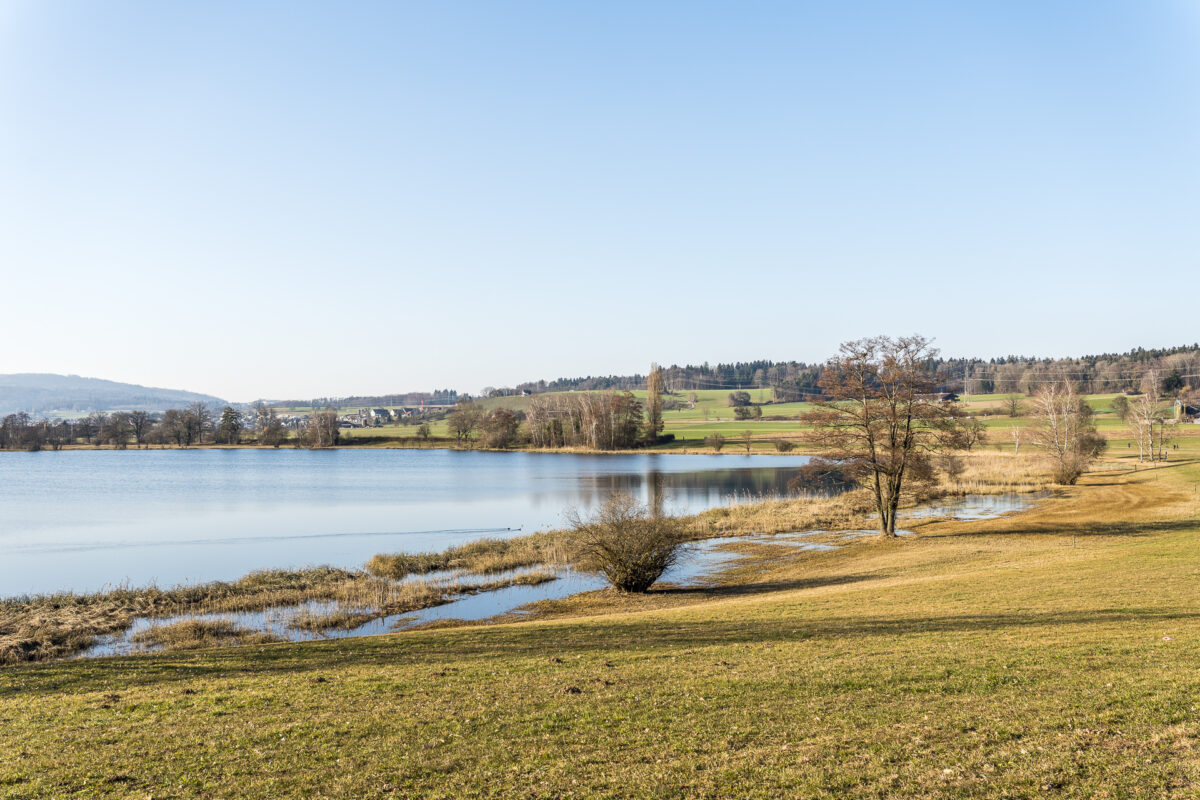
(322, 428)
(1065, 431)
(117, 430)
(175, 427)
(140, 422)
(971, 432)
(270, 427)
(1140, 418)
(1013, 406)
(1017, 433)
(878, 419)
(463, 421)
(200, 419)
(747, 436)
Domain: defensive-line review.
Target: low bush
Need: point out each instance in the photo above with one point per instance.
(630, 546)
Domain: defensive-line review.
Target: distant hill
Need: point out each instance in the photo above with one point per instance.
(41, 394)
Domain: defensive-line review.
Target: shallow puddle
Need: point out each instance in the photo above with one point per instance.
(975, 506)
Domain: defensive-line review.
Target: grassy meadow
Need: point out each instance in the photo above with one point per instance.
(1047, 653)
(711, 414)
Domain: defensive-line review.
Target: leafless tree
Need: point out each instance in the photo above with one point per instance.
(140, 422)
(270, 428)
(116, 430)
(463, 421)
(878, 419)
(322, 430)
(1065, 431)
(1140, 418)
(200, 419)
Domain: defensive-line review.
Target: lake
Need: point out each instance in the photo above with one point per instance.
(84, 520)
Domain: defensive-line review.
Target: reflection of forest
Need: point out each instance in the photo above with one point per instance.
(689, 491)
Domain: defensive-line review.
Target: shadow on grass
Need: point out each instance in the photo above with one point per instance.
(1079, 530)
(483, 649)
(717, 591)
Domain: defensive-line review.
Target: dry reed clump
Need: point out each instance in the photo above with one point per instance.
(336, 619)
(193, 634)
(415, 595)
(411, 596)
(482, 557)
(848, 510)
(990, 472)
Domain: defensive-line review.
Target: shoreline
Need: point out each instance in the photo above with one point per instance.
(399, 446)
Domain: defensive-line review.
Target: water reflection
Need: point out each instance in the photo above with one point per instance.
(88, 519)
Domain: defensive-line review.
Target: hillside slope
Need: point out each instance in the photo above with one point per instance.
(43, 393)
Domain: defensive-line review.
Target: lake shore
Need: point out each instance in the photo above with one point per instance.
(56, 625)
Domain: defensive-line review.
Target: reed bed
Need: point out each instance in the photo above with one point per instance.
(194, 634)
(482, 557)
(991, 472)
(773, 515)
(43, 627)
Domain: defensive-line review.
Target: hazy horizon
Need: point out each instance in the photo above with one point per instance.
(252, 200)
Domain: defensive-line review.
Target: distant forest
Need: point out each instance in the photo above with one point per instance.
(794, 380)
(438, 397)
(42, 393)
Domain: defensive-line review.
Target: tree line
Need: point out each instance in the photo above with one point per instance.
(797, 380)
(195, 424)
(604, 420)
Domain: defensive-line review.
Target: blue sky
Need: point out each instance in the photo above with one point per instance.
(307, 199)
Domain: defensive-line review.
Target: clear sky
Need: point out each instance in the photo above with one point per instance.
(289, 199)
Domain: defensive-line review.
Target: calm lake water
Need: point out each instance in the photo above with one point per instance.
(89, 519)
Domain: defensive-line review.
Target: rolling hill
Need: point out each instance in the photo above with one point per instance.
(43, 393)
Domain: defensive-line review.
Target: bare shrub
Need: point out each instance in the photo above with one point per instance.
(626, 543)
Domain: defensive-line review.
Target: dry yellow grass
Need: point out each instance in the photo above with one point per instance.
(194, 634)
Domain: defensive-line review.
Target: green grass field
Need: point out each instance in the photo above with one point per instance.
(712, 415)
(1050, 653)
